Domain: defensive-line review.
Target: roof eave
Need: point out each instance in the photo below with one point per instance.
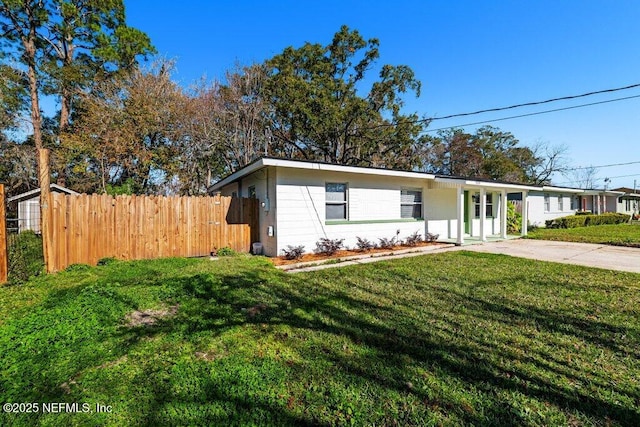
(487, 184)
(293, 164)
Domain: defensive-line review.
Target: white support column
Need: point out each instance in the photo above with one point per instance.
(483, 214)
(503, 214)
(460, 211)
(525, 213)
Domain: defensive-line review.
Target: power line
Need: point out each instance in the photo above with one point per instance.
(511, 107)
(528, 104)
(598, 179)
(533, 114)
(619, 176)
(602, 166)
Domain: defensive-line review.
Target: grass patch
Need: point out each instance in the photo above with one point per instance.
(617, 235)
(453, 338)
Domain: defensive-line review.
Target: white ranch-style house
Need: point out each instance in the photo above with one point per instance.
(303, 201)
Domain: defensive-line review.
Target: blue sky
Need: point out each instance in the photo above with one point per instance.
(469, 55)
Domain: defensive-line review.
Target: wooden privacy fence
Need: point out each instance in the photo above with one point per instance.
(85, 228)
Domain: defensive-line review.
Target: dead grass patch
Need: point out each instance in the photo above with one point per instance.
(149, 317)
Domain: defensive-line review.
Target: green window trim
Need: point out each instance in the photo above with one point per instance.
(374, 221)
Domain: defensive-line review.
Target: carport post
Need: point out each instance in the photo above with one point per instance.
(460, 211)
(525, 213)
(483, 214)
(503, 214)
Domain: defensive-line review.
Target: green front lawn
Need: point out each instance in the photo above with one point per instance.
(618, 234)
(454, 338)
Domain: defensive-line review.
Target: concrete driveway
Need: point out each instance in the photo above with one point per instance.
(587, 254)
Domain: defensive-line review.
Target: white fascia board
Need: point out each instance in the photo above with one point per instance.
(603, 193)
(562, 189)
(293, 164)
(62, 189)
(24, 195)
(237, 175)
(485, 184)
(346, 169)
(30, 193)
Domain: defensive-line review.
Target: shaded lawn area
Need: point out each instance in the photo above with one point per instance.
(452, 338)
(611, 234)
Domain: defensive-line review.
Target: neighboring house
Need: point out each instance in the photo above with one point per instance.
(550, 202)
(305, 201)
(600, 201)
(553, 202)
(629, 201)
(29, 207)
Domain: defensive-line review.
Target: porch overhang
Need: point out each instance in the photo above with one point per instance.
(489, 185)
(551, 188)
(603, 193)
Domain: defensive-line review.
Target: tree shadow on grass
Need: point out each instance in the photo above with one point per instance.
(397, 347)
(224, 302)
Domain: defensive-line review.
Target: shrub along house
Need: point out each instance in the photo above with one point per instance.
(550, 202)
(303, 201)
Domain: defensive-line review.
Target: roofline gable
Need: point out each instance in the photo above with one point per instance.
(28, 194)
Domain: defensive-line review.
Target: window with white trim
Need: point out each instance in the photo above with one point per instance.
(547, 203)
(560, 204)
(411, 203)
(336, 201)
(489, 207)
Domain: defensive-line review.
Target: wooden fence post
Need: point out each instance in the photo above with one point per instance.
(4, 255)
(45, 211)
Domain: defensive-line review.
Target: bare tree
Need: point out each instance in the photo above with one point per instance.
(585, 177)
(224, 128)
(550, 159)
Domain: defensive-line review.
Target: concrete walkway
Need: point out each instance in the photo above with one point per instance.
(587, 254)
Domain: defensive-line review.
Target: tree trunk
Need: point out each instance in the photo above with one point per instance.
(65, 93)
(36, 118)
(65, 109)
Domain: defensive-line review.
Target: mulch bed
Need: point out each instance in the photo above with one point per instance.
(309, 257)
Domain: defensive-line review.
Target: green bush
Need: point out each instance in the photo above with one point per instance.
(107, 261)
(225, 251)
(583, 220)
(25, 256)
(514, 219)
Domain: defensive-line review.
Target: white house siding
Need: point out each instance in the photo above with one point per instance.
(264, 181)
(301, 207)
(29, 215)
(632, 203)
(537, 213)
(440, 212)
